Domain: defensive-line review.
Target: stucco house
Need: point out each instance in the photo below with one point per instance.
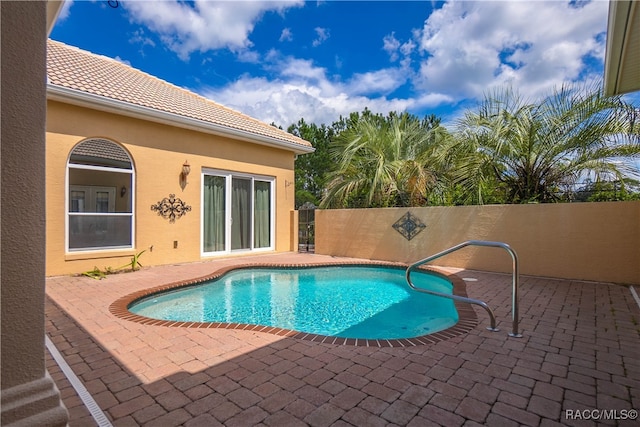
(135, 163)
(28, 393)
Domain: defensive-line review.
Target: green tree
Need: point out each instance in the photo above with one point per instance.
(609, 191)
(383, 161)
(528, 152)
(310, 169)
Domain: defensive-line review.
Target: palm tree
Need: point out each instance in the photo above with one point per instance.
(382, 162)
(527, 152)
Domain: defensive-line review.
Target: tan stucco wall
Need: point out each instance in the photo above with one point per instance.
(158, 152)
(587, 241)
(28, 394)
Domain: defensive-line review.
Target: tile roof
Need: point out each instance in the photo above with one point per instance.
(72, 68)
(102, 148)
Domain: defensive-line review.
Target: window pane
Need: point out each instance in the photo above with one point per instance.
(262, 215)
(102, 201)
(77, 200)
(241, 214)
(214, 214)
(103, 190)
(124, 195)
(99, 231)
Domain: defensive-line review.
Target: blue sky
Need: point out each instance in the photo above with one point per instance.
(280, 61)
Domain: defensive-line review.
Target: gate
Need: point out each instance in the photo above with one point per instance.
(306, 227)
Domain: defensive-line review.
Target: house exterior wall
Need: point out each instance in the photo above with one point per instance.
(28, 394)
(158, 152)
(585, 241)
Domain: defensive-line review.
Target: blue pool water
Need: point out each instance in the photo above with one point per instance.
(343, 301)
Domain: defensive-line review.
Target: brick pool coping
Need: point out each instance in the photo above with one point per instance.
(467, 318)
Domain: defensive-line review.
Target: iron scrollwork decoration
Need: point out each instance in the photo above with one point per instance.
(171, 208)
(409, 226)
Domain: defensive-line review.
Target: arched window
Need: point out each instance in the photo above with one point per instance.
(100, 197)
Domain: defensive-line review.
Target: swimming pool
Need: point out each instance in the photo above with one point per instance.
(353, 301)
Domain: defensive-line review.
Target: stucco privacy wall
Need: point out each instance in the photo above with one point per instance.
(158, 152)
(587, 241)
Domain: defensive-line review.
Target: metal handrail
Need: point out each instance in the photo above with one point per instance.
(514, 257)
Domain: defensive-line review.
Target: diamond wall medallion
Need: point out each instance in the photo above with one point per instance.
(171, 208)
(409, 226)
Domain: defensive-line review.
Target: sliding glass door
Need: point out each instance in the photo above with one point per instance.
(237, 213)
(240, 213)
(214, 213)
(262, 214)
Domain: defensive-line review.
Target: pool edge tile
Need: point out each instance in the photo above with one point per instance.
(467, 317)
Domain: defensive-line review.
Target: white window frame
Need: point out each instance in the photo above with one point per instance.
(67, 214)
(228, 176)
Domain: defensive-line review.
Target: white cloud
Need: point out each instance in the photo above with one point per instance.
(286, 35)
(381, 81)
(394, 48)
(123, 61)
(391, 45)
(206, 25)
(285, 102)
(304, 90)
(464, 49)
(407, 48)
(322, 35)
(139, 37)
(292, 67)
(249, 56)
(472, 46)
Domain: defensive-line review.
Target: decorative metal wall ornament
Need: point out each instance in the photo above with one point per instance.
(409, 226)
(171, 208)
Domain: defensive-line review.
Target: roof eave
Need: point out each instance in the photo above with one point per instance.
(53, 10)
(110, 105)
(619, 32)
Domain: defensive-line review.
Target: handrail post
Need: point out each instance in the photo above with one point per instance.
(514, 297)
(515, 279)
(482, 304)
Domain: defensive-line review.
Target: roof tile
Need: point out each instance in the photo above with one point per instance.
(73, 68)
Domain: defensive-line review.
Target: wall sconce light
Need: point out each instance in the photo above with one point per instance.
(186, 170)
(123, 191)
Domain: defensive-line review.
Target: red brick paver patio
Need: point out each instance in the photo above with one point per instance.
(580, 351)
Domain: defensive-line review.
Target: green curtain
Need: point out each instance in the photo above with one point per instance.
(261, 223)
(214, 213)
(240, 213)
